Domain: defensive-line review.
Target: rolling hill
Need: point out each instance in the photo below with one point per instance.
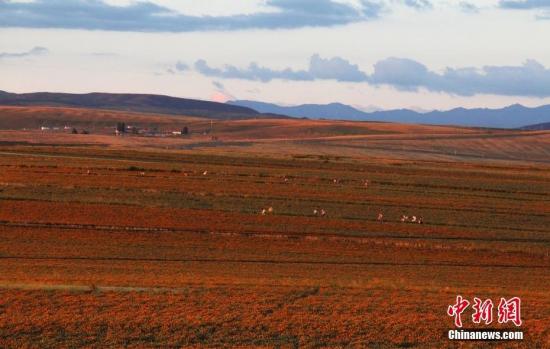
(144, 103)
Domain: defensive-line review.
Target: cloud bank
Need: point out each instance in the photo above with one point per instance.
(530, 79)
(418, 4)
(543, 6)
(319, 69)
(146, 16)
(525, 4)
(468, 7)
(35, 51)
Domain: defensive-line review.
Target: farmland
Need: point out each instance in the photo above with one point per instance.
(159, 242)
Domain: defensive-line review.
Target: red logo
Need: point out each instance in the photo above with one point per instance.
(508, 311)
(457, 309)
(483, 311)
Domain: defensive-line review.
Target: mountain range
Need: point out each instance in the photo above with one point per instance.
(537, 127)
(513, 116)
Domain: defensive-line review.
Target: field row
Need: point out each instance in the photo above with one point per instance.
(245, 317)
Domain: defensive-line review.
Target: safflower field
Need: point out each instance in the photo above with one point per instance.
(112, 245)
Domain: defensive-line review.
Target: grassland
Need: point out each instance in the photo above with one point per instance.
(159, 242)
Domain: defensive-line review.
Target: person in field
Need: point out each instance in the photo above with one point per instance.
(323, 213)
(380, 217)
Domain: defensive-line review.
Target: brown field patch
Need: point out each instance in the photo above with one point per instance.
(122, 244)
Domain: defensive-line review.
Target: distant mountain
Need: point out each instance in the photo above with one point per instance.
(537, 127)
(514, 116)
(144, 103)
(316, 111)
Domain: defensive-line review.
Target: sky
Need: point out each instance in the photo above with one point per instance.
(372, 54)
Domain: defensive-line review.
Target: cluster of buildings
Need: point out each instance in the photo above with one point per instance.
(70, 129)
(122, 128)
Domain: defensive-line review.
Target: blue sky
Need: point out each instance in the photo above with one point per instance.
(422, 54)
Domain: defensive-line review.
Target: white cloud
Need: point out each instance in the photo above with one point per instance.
(35, 51)
(529, 79)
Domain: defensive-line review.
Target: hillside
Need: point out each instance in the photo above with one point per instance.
(513, 116)
(22, 125)
(100, 121)
(145, 103)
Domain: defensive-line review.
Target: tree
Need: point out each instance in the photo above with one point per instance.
(185, 131)
(121, 127)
